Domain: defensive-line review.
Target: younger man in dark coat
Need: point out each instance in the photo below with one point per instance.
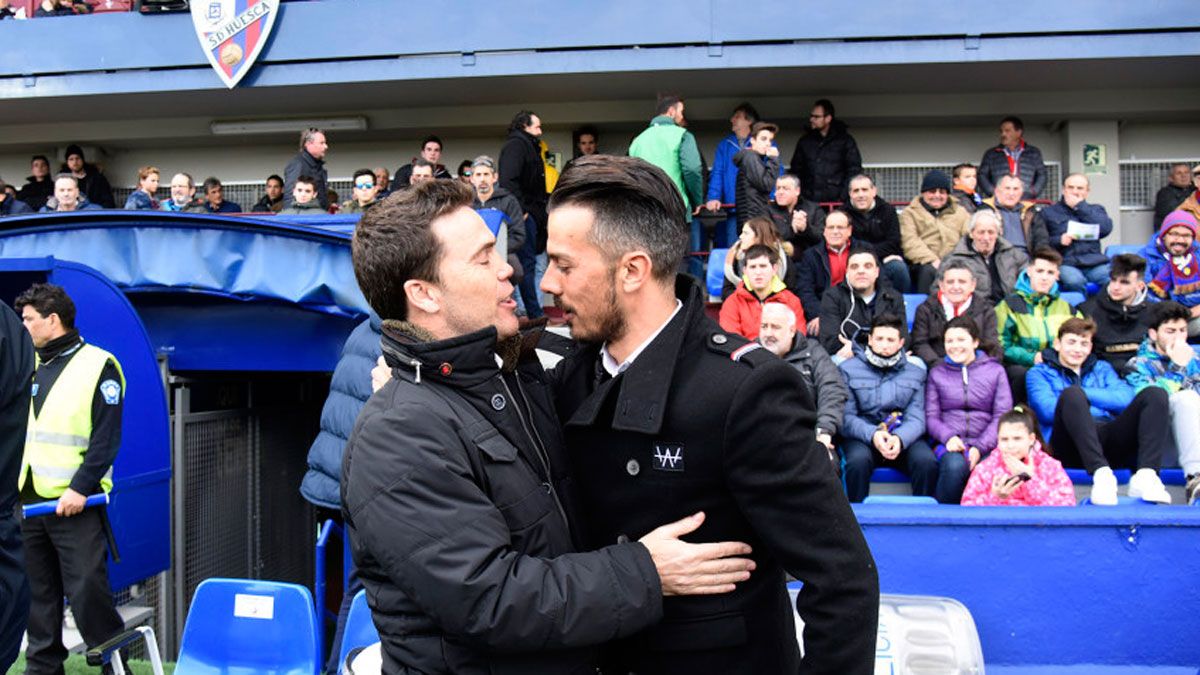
(1120, 311)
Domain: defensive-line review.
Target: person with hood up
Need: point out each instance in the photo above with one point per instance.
(741, 312)
(965, 395)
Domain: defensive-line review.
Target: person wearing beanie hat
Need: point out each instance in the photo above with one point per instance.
(930, 226)
(1065, 222)
(1179, 277)
(92, 183)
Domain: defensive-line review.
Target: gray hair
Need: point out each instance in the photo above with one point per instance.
(791, 177)
(1011, 177)
(782, 309)
(981, 214)
(308, 135)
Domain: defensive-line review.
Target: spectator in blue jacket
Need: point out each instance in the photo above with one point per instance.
(1175, 239)
(722, 181)
(348, 393)
(884, 421)
(1093, 418)
(142, 199)
(1013, 157)
(9, 205)
(1083, 259)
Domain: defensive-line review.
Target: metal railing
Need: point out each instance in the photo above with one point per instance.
(1141, 179)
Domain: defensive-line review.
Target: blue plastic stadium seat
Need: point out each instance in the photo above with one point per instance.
(1073, 298)
(1172, 477)
(899, 499)
(360, 628)
(911, 302)
(1122, 500)
(886, 475)
(241, 625)
(714, 274)
(1115, 250)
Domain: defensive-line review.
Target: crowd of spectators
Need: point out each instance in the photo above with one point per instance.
(994, 358)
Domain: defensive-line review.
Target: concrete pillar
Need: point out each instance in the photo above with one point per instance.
(1099, 140)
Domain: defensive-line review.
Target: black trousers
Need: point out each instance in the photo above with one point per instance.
(1137, 438)
(66, 557)
(14, 590)
(1016, 381)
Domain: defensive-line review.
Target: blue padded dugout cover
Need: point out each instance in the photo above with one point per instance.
(232, 257)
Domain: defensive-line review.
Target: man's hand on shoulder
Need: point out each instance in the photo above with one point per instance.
(696, 569)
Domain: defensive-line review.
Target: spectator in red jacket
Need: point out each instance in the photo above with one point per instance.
(741, 312)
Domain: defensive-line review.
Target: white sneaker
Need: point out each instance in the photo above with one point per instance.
(1147, 485)
(1104, 487)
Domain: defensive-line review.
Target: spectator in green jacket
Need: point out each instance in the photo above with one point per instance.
(672, 148)
(1029, 318)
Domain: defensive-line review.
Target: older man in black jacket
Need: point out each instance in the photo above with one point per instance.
(310, 161)
(16, 376)
(454, 490)
(651, 438)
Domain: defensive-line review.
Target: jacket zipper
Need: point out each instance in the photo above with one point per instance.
(966, 403)
(539, 449)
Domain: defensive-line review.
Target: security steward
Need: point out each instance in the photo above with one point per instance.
(664, 414)
(74, 431)
(16, 374)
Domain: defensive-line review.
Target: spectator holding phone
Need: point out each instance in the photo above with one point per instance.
(1019, 472)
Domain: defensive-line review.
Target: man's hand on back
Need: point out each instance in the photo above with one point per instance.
(696, 569)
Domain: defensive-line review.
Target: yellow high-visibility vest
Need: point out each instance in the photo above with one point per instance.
(58, 438)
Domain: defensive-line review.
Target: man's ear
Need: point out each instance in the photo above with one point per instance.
(423, 296)
(634, 270)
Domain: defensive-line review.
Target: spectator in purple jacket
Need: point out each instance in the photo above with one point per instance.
(965, 395)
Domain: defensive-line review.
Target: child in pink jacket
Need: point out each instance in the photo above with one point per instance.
(1019, 472)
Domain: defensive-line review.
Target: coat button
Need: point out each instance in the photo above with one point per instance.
(623, 539)
(498, 402)
(719, 339)
(632, 467)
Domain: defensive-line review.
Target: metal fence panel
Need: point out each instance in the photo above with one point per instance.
(1142, 179)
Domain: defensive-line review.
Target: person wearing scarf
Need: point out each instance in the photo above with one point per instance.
(955, 296)
(1179, 278)
(884, 422)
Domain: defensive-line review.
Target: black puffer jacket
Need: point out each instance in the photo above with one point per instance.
(524, 175)
(93, 185)
(36, 192)
(879, 227)
(813, 232)
(462, 523)
(304, 164)
(844, 313)
(1120, 329)
(755, 182)
(825, 164)
(1030, 168)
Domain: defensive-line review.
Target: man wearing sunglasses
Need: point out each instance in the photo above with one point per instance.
(364, 192)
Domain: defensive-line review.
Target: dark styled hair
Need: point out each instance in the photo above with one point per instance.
(520, 120)
(748, 110)
(863, 249)
(41, 157)
(1125, 263)
(579, 132)
(1163, 312)
(826, 105)
(465, 164)
(964, 322)
(635, 207)
(764, 126)
(362, 172)
(1022, 415)
(762, 251)
(1015, 121)
(270, 178)
(393, 242)
(211, 182)
(1077, 326)
(431, 138)
(48, 299)
(666, 102)
(309, 180)
(889, 320)
(1048, 254)
(956, 172)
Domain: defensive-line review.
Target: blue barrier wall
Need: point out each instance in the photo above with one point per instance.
(140, 509)
(1112, 586)
(326, 42)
